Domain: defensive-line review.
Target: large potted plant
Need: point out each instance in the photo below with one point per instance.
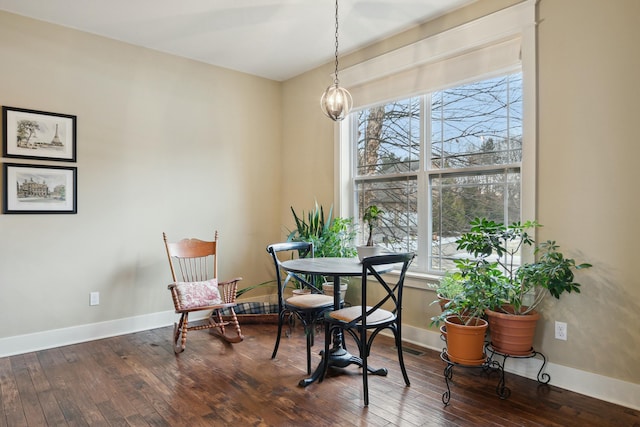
(331, 237)
(517, 289)
(371, 217)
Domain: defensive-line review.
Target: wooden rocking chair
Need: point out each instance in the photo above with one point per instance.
(196, 288)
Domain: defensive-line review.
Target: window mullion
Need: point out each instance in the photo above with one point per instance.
(424, 187)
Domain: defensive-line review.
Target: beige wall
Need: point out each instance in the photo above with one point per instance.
(164, 144)
(586, 174)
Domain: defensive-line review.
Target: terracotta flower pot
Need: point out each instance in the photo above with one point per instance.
(443, 333)
(465, 343)
(512, 334)
(442, 301)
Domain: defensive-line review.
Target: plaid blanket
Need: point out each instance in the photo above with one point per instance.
(252, 308)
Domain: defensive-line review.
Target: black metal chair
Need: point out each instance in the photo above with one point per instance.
(309, 308)
(360, 319)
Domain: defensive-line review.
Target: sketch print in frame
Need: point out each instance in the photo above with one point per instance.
(31, 134)
(34, 189)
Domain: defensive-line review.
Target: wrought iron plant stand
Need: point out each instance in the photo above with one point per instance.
(490, 365)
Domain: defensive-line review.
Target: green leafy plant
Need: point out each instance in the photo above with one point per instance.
(450, 285)
(331, 237)
(495, 248)
(243, 291)
(482, 288)
(313, 227)
(371, 216)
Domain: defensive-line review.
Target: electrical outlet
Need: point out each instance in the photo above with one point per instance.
(94, 298)
(561, 331)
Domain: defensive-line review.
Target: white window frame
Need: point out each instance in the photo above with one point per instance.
(515, 21)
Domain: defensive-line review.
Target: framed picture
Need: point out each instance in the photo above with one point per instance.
(38, 189)
(31, 134)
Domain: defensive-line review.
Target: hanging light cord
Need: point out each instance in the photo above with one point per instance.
(335, 79)
(336, 101)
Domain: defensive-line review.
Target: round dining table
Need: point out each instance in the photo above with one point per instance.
(334, 268)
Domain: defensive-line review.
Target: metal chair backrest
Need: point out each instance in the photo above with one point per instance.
(297, 249)
(391, 299)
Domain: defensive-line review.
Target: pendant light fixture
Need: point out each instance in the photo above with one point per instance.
(336, 101)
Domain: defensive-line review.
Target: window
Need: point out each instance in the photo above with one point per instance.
(435, 161)
(443, 130)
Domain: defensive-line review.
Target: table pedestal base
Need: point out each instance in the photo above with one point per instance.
(340, 358)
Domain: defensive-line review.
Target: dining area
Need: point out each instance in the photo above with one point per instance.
(329, 360)
(326, 339)
(309, 268)
(336, 317)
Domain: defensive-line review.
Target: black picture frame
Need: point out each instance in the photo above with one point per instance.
(39, 189)
(40, 135)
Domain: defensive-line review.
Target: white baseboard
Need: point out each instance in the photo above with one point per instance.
(75, 334)
(598, 386)
(593, 385)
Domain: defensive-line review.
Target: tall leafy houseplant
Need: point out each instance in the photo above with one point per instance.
(495, 248)
(331, 237)
(512, 290)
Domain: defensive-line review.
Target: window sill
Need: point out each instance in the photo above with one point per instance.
(423, 281)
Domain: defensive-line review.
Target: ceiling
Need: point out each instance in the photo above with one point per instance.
(276, 39)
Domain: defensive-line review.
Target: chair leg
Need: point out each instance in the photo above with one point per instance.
(180, 332)
(218, 328)
(310, 333)
(291, 323)
(364, 352)
(398, 336)
(280, 323)
(236, 324)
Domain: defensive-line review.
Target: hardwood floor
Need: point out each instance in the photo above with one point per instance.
(137, 380)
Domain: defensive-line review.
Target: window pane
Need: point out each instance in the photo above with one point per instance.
(388, 139)
(456, 200)
(477, 124)
(472, 137)
(397, 229)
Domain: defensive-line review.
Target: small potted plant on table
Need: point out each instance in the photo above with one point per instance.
(371, 216)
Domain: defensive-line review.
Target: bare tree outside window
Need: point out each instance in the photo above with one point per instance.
(470, 140)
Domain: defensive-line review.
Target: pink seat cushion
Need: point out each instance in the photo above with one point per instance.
(198, 294)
